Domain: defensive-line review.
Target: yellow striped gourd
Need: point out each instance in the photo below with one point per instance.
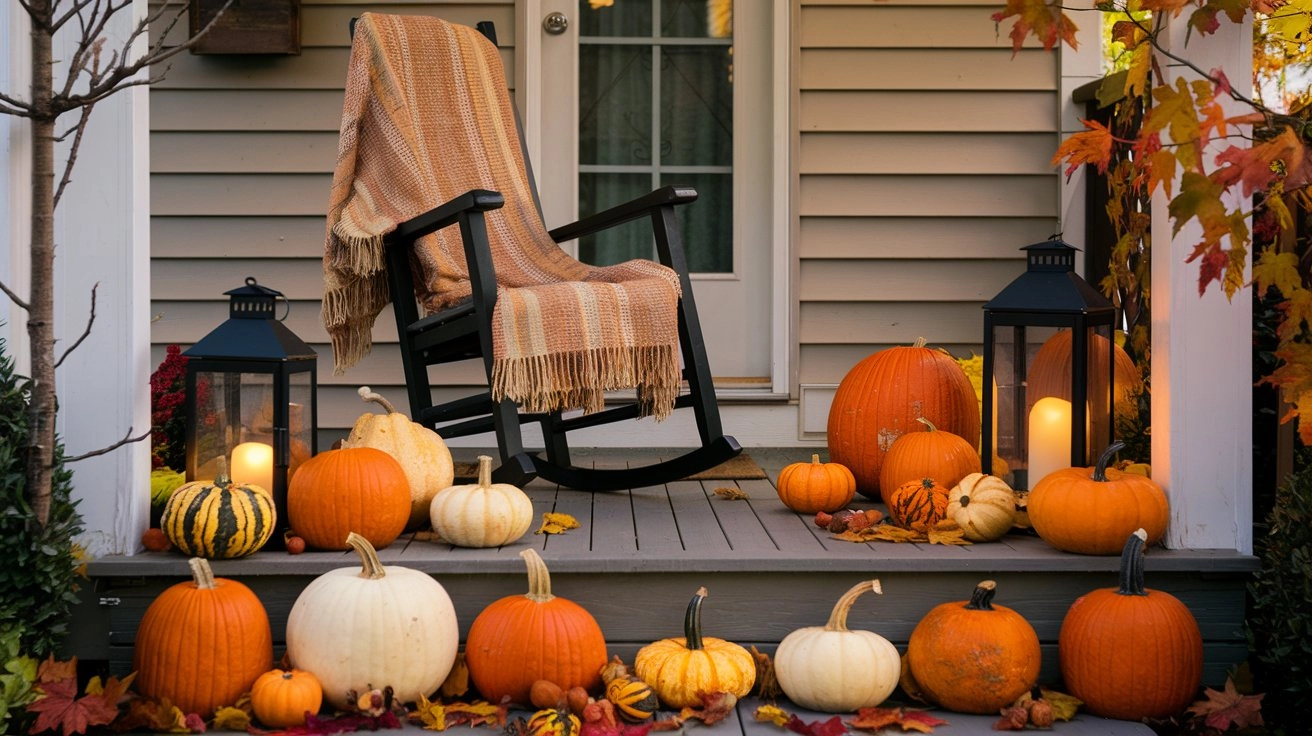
(217, 519)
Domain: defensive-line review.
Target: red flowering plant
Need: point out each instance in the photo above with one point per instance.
(167, 416)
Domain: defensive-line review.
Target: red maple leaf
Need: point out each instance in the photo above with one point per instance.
(831, 727)
(59, 708)
(874, 720)
(1223, 709)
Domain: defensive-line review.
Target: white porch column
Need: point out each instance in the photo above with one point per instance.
(15, 63)
(1201, 368)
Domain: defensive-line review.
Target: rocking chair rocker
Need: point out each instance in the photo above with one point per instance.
(466, 330)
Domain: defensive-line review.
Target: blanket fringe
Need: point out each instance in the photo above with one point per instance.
(579, 379)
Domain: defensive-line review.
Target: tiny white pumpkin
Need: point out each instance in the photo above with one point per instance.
(421, 452)
(485, 514)
(984, 506)
(358, 629)
(833, 669)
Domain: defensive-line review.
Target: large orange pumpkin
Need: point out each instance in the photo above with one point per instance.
(973, 656)
(202, 643)
(355, 489)
(933, 453)
(1050, 373)
(1131, 652)
(880, 399)
(536, 636)
(1091, 510)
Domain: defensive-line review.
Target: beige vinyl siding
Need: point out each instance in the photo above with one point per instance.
(922, 167)
(242, 153)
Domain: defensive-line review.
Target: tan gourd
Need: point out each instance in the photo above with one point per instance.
(485, 514)
(420, 451)
(984, 506)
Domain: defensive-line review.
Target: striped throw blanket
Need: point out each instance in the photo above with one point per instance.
(427, 117)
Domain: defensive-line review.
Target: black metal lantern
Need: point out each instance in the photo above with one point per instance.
(251, 398)
(1048, 362)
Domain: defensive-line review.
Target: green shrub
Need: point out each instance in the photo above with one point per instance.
(1280, 598)
(40, 570)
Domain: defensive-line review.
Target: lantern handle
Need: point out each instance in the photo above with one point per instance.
(250, 281)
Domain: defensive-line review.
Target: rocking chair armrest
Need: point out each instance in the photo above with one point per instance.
(447, 213)
(619, 214)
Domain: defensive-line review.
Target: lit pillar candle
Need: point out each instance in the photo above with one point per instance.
(252, 463)
(1050, 438)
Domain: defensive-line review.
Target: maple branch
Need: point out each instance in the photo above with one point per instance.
(78, 130)
(91, 319)
(127, 440)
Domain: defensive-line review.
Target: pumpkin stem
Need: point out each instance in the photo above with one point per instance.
(982, 598)
(368, 394)
(371, 567)
(484, 471)
(1132, 564)
(838, 619)
(815, 458)
(1105, 459)
(539, 578)
(221, 478)
(929, 426)
(201, 573)
(692, 621)
(920, 342)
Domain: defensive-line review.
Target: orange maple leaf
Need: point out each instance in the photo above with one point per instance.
(1257, 167)
(1091, 146)
(1162, 6)
(60, 709)
(1045, 21)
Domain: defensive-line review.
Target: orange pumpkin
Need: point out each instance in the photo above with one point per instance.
(933, 453)
(536, 636)
(1050, 373)
(282, 698)
(1092, 510)
(918, 504)
(973, 656)
(815, 486)
(880, 398)
(356, 489)
(202, 643)
(1131, 652)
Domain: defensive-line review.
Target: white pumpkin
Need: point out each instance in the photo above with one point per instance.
(836, 670)
(984, 506)
(485, 514)
(421, 452)
(359, 629)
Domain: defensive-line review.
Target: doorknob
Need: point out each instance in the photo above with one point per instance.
(555, 23)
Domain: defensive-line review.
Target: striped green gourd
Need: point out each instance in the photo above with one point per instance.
(218, 519)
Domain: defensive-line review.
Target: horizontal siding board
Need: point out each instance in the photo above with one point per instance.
(926, 153)
(905, 280)
(920, 237)
(313, 69)
(244, 152)
(928, 196)
(888, 322)
(245, 110)
(380, 368)
(327, 25)
(185, 322)
(237, 237)
(299, 279)
(919, 110)
(877, 25)
(239, 194)
(927, 69)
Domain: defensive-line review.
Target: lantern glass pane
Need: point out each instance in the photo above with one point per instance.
(300, 396)
(227, 408)
(1100, 392)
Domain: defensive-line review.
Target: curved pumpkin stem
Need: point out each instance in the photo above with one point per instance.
(201, 573)
(982, 598)
(371, 567)
(1132, 564)
(1105, 459)
(815, 458)
(484, 471)
(920, 342)
(539, 578)
(368, 394)
(929, 426)
(838, 618)
(692, 621)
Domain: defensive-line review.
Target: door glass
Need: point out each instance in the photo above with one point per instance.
(656, 108)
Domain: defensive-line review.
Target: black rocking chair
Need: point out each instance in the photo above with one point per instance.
(465, 332)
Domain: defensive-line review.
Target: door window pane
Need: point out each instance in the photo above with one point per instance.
(615, 105)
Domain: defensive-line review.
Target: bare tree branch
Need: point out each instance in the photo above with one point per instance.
(80, 129)
(127, 440)
(18, 301)
(91, 319)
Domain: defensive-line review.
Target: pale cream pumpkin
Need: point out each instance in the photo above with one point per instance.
(984, 506)
(361, 628)
(485, 514)
(833, 669)
(421, 452)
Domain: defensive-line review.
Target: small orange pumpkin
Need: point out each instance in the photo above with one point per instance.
(282, 698)
(354, 489)
(815, 486)
(933, 453)
(918, 504)
(1092, 510)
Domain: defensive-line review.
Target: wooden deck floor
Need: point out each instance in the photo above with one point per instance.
(639, 555)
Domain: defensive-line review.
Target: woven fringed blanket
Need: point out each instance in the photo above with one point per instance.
(427, 117)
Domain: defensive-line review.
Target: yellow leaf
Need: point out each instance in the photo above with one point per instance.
(231, 719)
(457, 680)
(947, 532)
(557, 523)
(881, 533)
(432, 715)
(771, 714)
(1064, 707)
(732, 493)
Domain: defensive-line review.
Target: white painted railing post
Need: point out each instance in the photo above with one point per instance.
(1201, 360)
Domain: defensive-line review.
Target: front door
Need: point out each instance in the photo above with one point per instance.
(638, 94)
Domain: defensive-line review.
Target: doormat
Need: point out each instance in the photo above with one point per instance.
(739, 467)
